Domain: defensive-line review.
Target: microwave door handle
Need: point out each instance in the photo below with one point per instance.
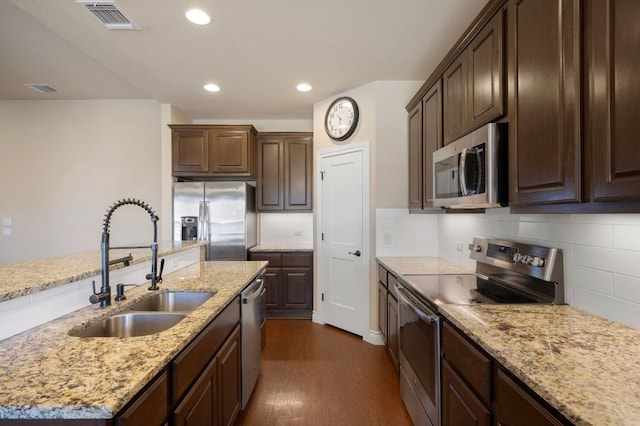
(462, 176)
(479, 171)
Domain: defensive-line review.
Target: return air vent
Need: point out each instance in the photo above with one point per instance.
(42, 88)
(109, 14)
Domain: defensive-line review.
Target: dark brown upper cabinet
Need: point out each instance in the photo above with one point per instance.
(213, 151)
(612, 90)
(415, 158)
(285, 171)
(425, 136)
(473, 85)
(544, 101)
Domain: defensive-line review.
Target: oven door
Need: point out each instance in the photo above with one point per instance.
(419, 338)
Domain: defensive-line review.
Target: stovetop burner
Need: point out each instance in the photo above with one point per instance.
(507, 272)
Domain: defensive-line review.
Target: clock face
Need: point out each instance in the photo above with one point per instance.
(341, 119)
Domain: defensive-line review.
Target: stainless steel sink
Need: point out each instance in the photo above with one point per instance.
(172, 302)
(132, 325)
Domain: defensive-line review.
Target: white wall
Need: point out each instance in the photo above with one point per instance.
(266, 125)
(63, 163)
(286, 228)
(382, 122)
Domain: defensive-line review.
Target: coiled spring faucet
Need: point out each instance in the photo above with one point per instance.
(104, 296)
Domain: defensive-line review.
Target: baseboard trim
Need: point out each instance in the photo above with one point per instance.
(374, 337)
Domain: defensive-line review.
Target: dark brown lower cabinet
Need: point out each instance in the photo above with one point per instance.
(200, 406)
(150, 408)
(514, 405)
(459, 405)
(289, 283)
(229, 379)
(393, 347)
(468, 376)
(382, 310)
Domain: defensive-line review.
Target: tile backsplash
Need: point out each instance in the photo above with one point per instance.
(601, 251)
(286, 228)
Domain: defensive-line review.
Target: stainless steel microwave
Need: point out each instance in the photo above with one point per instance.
(472, 172)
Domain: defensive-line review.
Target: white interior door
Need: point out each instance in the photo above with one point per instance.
(342, 229)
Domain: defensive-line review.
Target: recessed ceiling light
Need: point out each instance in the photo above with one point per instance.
(303, 87)
(197, 16)
(211, 87)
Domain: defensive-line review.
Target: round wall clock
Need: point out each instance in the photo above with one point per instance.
(341, 119)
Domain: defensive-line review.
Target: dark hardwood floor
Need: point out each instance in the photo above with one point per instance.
(315, 374)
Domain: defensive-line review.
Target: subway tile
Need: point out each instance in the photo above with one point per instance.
(626, 287)
(600, 235)
(608, 307)
(626, 237)
(590, 279)
(621, 261)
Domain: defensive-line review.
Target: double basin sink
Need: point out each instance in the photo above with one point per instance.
(150, 315)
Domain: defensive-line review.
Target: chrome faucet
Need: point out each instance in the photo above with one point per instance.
(104, 296)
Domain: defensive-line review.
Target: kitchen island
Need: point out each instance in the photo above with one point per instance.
(582, 365)
(45, 373)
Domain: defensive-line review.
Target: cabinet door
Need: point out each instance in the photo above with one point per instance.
(392, 330)
(229, 152)
(544, 104)
(229, 379)
(454, 99)
(151, 407)
(459, 405)
(190, 151)
(432, 139)
(513, 405)
(415, 158)
(296, 288)
(200, 405)
(270, 174)
(382, 311)
(485, 70)
(272, 282)
(298, 173)
(612, 60)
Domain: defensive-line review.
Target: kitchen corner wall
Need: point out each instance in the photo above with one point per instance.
(63, 163)
(601, 251)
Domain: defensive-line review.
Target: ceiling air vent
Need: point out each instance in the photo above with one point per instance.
(109, 14)
(42, 88)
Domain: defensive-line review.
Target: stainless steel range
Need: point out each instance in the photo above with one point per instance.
(506, 272)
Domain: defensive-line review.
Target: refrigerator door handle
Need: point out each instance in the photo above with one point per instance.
(201, 221)
(207, 233)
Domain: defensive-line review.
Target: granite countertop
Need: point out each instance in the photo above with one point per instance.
(21, 279)
(422, 265)
(585, 366)
(46, 373)
(282, 247)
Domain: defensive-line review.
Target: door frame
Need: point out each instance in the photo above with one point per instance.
(363, 147)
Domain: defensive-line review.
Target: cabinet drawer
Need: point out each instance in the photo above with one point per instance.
(460, 406)
(391, 283)
(472, 366)
(150, 408)
(188, 365)
(274, 259)
(382, 275)
(296, 259)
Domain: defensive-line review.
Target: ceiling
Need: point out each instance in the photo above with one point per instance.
(257, 51)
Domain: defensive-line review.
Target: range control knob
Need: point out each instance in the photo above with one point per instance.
(475, 247)
(538, 261)
(517, 257)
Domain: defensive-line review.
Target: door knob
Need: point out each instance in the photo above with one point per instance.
(356, 253)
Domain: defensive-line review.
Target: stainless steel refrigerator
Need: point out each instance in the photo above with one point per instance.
(223, 213)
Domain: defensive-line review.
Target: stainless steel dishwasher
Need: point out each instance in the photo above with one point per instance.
(251, 317)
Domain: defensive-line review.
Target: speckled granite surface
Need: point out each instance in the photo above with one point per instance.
(282, 247)
(585, 366)
(422, 265)
(46, 373)
(20, 279)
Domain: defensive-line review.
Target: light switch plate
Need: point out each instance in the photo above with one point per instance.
(6, 221)
(6, 232)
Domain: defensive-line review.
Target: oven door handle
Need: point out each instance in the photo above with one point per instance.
(429, 318)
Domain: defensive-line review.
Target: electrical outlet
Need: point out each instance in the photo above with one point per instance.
(6, 232)
(387, 238)
(6, 221)
(297, 233)
(459, 245)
